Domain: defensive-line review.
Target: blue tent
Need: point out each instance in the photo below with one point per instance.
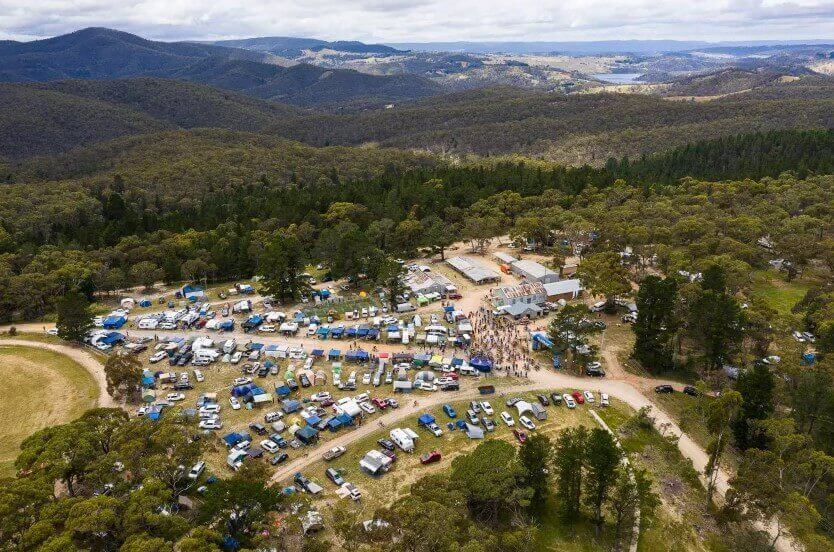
(334, 354)
(363, 330)
(362, 355)
(448, 308)
(809, 358)
(114, 322)
(148, 381)
(324, 293)
(313, 421)
(289, 406)
(345, 419)
(393, 328)
(482, 364)
(226, 325)
(112, 338)
(254, 346)
(317, 352)
(282, 390)
(334, 424)
(351, 332)
(323, 331)
(337, 333)
(350, 355)
(299, 316)
(457, 361)
(307, 434)
(373, 333)
(145, 303)
(231, 439)
(425, 419)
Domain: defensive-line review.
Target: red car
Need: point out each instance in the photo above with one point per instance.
(454, 375)
(380, 403)
(390, 454)
(455, 296)
(328, 402)
(578, 397)
(430, 457)
(520, 435)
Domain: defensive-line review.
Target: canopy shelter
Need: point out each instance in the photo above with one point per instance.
(481, 363)
(334, 354)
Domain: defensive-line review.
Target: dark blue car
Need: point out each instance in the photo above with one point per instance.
(447, 408)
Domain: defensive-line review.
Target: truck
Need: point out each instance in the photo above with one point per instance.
(334, 453)
(306, 484)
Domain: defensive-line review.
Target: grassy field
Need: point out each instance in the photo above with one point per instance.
(777, 293)
(41, 388)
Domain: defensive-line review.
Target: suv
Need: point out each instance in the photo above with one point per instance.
(664, 389)
(258, 428)
(543, 400)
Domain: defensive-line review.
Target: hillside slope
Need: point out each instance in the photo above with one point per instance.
(575, 129)
(42, 118)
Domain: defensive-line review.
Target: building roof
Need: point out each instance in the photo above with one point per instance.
(505, 257)
(473, 270)
(521, 309)
(418, 280)
(521, 290)
(532, 269)
(563, 286)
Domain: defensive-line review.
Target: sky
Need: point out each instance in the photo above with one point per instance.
(427, 20)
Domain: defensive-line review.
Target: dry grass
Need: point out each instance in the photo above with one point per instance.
(40, 389)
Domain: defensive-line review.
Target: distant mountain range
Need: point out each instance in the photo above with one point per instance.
(291, 47)
(97, 53)
(594, 48)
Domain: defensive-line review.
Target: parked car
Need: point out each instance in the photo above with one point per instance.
(578, 397)
(258, 428)
(269, 446)
(489, 425)
(556, 398)
(527, 423)
(320, 397)
(603, 399)
(393, 403)
(197, 470)
(473, 418)
(449, 411)
(334, 453)
(665, 388)
(543, 399)
(430, 457)
(305, 381)
(520, 435)
(475, 406)
(198, 375)
(174, 397)
(156, 357)
(278, 458)
(334, 476)
(691, 391)
(507, 419)
(487, 408)
(386, 444)
(589, 397)
(212, 423)
(235, 403)
(569, 402)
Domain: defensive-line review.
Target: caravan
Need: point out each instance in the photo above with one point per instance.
(402, 439)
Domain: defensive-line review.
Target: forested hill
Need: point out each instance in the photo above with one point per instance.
(573, 130)
(44, 118)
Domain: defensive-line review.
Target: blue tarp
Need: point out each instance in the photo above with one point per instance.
(362, 331)
(373, 333)
(231, 439)
(345, 419)
(333, 424)
(145, 303)
(114, 322)
(317, 352)
(112, 338)
(334, 353)
(255, 346)
(449, 308)
(313, 421)
(289, 406)
(337, 333)
(255, 320)
(351, 332)
(362, 355)
(192, 292)
(282, 391)
(425, 419)
(457, 361)
(307, 434)
(227, 325)
(393, 328)
(322, 331)
(482, 364)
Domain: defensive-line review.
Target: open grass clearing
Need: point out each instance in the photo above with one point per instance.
(41, 388)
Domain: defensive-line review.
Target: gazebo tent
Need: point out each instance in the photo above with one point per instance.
(334, 424)
(351, 332)
(334, 354)
(421, 360)
(373, 333)
(480, 363)
(307, 435)
(345, 419)
(282, 390)
(318, 353)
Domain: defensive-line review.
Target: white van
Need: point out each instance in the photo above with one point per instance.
(197, 470)
(597, 307)
(229, 346)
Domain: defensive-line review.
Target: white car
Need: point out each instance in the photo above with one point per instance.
(799, 337)
(603, 400)
(236, 357)
(213, 423)
(197, 470)
(527, 422)
(367, 407)
(366, 379)
(268, 328)
(235, 403)
(52, 331)
(589, 397)
(242, 381)
(156, 357)
(321, 397)
(198, 375)
(174, 397)
(487, 408)
(569, 401)
(507, 419)
(269, 446)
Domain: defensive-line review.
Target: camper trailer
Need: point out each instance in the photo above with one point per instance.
(402, 439)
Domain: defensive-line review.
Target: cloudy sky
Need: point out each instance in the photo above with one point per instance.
(427, 20)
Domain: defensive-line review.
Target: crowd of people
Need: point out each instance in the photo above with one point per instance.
(504, 341)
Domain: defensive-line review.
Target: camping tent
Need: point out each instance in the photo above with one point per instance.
(480, 363)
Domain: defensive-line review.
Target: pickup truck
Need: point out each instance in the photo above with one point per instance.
(334, 453)
(310, 486)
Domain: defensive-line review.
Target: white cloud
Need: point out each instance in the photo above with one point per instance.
(427, 20)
